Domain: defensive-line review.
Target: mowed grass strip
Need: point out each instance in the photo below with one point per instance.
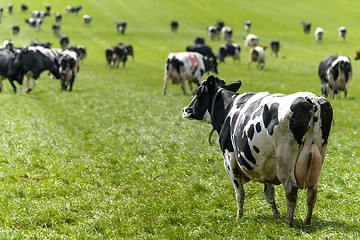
(114, 159)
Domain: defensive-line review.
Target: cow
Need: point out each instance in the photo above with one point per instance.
(227, 33)
(15, 29)
(34, 22)
(120, 55)
(268, 138)
(219, 25)
(48, 9)
(275, 47)
(247, 26)
(58, 17)
(203, 49)
(213, 32)
(38, 59)
(319, 33)
(36, 43)
(109, 53)
(76, 10)
(306, 26)
(251, 40)
(335, 73)
(80, 50)
(342, 33)
(189, 66)
(87, 19)
(24, 7)
(64, 42)
(121, 27)
(257, 54)
(10, 8)
(56, 29)
(11, 67)
(68, 68)
(174, 25)
(230, 49)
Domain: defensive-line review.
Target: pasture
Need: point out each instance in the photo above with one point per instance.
(114, 159)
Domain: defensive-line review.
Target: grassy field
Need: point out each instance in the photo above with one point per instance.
(115, 160)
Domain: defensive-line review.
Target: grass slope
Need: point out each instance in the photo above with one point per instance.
(114, 159)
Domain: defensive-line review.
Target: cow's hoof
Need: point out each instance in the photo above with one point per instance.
(29, 90)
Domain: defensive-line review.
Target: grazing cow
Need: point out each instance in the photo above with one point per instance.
(230, 49)
(11, 65)
(121, 27)
(80, 50)
(275, 47)
(203, 49)
(257, 54)
(64, 42)
(268, 138)
(34, 22)
(342, 33)
(335, 73)
(10, 8)
(199, 41)
(174, 25)
(48, 9)
(187, 66)
(306, 26)
(227, 33)
(319, 32)
(120, 55)
(251, 40)
(56, 29)
(68, 68)
(70, 9)
(129, 48)
(58, 17)
(247, 26)
(24, 7)
(15, 30)
(87, 19)
(219, 25)
(213, 32)
(38, 59)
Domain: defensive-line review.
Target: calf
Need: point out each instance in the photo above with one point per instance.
(187, 66)
(306, 26)
(275, 47)
(342, 33)
(121, 27)
(87, 19)
(268, 138)
(230, 49)
(11, 67)
(174, 25)
(15, 30)
(319, 32)
(257, 54)
(335, 73)
(251, 40)
(247, 26)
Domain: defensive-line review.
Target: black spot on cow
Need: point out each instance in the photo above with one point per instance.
(245, 148)
(257, 150)
(258, 127)
(270, 117)
(236, 183)
(244, 98)
(326, 119)
(299, 121)
(251, 131)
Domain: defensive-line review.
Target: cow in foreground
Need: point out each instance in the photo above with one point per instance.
(189, 66)
(267, 138)
(257, 54)
(335, 73)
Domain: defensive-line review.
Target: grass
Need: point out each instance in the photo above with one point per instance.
(115, 160)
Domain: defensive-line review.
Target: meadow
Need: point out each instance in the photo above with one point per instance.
(114, 159)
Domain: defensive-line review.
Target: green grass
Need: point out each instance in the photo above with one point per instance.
(115, 160)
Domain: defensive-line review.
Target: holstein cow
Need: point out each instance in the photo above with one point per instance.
(227, 33)
(80, 50)
(70, 9)
(275, 47)
(213, 32)
(230, 49)
(319, 32)
(247, 26)
(121, 27)
(174, 25)
(56, 29)
(306, 26)
(68, 68)
(267, 138)
(342, 33)
(34, 22)
(58, 17)
(15, 29)
(257, 54)
(11, 67)
(64, 42)
(187, 66)
(87, 19)
(251, 40)
(335, 73)
(129, 48)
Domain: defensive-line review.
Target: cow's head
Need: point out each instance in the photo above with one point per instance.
(200, 107)
(211, 64)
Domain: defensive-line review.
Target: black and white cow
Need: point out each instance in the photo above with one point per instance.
(267, 138)
(70, 9)
(251, 40)
(87, 19)
(306, 26)
(203, 49)
(56, 29)
(34, 22)
(80, 50)
(121, 27)
(58, 17)
(64, 42)
(257, 54)
(115, 55)
(335, 73)
(11, 67)
(68, 68)
(24, 7)
(247, 26)
(319, 33)
(10, 8)
(174, 25)
(230, 49)
(129, 48)
(275, 47)
(227, 33)
(189, 66)
(213, 32)
(342, 33)
(15, 30)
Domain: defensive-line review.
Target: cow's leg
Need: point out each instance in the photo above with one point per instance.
(13, 85)
(166, 81)
(183, 79)
(72, 82)
(291, 200)
(248, 67)
(235, 175)
(33, 86)
(269, 193)
(311, 200)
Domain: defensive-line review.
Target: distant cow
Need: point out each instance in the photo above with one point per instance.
(188, 66)
(15, 29)
(76, 10)
(306, 26)
(115, 55)
(129, 48)
(219, 25)
(251, 40)
(247, 26)
(275, 47)
(257, 54)
(58, 17)
(230, 49)
(48, 9)
(34, 22)
(227, 33)
(10, 8)
(342, 33)
(56, 29)
(24, 7)
(80, 50)
(11, 65)
(319, 32)
(203, 49)
(36, 43)
(68, 68)
(64, 42)
(174, 25)
(335, 73)
(268, 138)
(87, 19)
(121, 27)
(213, 32)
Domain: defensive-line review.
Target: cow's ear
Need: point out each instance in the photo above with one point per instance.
(234, 87)
(210, 83)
